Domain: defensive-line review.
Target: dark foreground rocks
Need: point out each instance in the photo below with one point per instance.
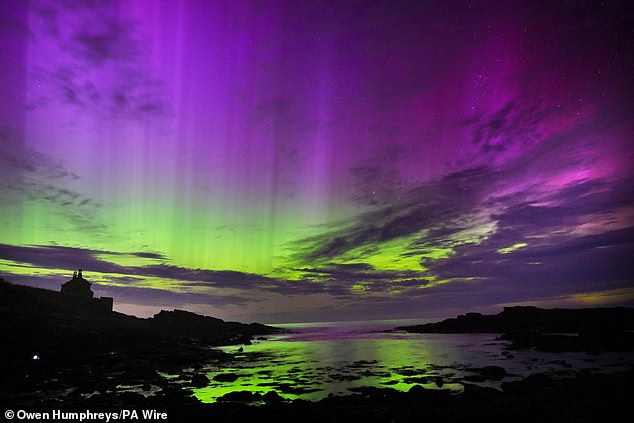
(586, 397)
(85, 362)
(486, 373)
(65, 350)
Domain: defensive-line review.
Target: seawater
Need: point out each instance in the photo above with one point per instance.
(320, 359)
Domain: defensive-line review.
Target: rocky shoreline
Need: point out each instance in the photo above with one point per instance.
(54, 352)
(56, 358)
(584, 397)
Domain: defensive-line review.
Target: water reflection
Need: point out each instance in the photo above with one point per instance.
(320, 360)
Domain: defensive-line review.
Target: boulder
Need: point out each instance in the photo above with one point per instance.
(226, 377)
(200, 380)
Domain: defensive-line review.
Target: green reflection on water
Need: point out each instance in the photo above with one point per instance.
(314, 369)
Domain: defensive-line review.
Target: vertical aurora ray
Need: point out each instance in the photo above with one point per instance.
(351, 154)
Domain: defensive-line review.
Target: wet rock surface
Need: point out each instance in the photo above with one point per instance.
(583, 397)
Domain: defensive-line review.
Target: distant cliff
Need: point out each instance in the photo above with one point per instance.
(521, 319)
(586, 329)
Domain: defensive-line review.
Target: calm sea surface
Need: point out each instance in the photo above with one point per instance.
(319, 359)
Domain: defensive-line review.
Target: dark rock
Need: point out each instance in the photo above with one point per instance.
(389, 382)
(345, 377)
(294, 389)
(562, 363)
(589, 322)
(416, 379)
(486, 373)
(241, 396)
(436, 396)
(140, 368)
(493, 372)
(416, 390)
(173, 393)
(272, 396)
(200, 380)
(547, 342)
(408, 372)
(226, 377)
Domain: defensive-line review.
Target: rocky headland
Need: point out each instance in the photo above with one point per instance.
(592, 330)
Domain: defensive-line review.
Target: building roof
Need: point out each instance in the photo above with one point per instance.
(77, 286)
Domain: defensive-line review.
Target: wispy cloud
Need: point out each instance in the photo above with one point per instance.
(103, 262)
(100, 64)
(30, 176)
(457, 228)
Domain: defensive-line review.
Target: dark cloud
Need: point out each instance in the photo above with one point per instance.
(37, 164)
(597, 202)
(556, 260)
(431, 206)
(348, 274)
(32, 176)
(590, 263)
(111, 40)
(143, 296)
(57, 257)
(215, 278)
(101, 60)
(330, 249)
(512, 126)
(155, 256)
(164, 298)
(69, 258)
(334, 279)
(577, 235)
(377, 180)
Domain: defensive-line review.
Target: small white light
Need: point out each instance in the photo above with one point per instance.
(36, 357)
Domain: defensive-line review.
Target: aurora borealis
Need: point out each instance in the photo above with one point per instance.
(319, 160)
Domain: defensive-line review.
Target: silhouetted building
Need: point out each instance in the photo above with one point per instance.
(77, 292)
(77, 287)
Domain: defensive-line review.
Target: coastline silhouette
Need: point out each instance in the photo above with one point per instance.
(62, 350)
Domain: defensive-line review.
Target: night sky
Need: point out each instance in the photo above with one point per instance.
(320, 160)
